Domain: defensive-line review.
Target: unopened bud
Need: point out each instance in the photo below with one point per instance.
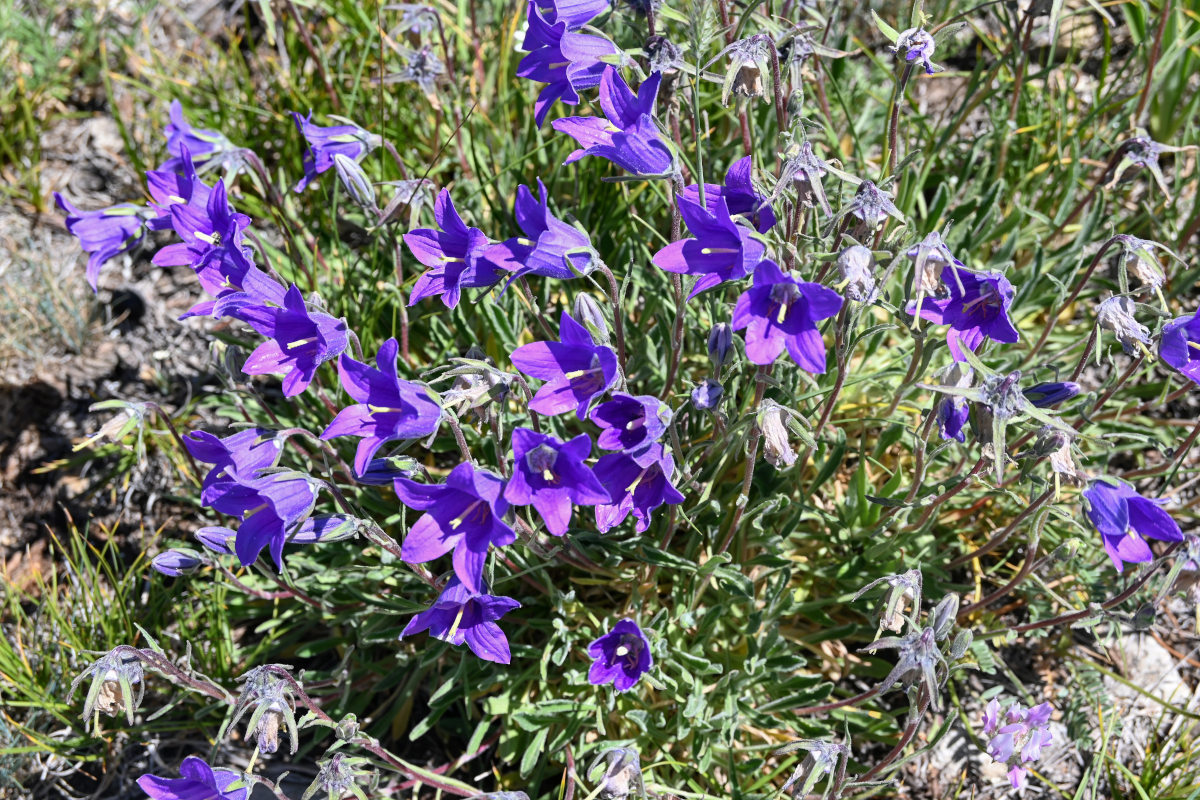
(720, 344)
(589, 314)
(356, 182)
(176, 562)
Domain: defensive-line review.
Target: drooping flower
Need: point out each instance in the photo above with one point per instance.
(196, 781)
(1143, 152)
(1180, 345)
(871, 205)
(749, 60)
(629, 423)
(953, 412)
(465, 514)
(781, 312)
(620, 657)
(577, 371)
(324, 143)
(550, 248)
(740, 194)
(721, 251)
(245, 453)
(561, 58)
(388, 408)
(639, 482)
(977, 308)
(208, 149)
(917, 45)
(777, 448)
(298, 340)
(1017, 737)
(930, 258)
(453, 255)
(1142, 262)
(627, 135)
(550, 475)
(1125, 519)
(421, 67)
(804, 171)
(104, 233)
(1116, 314)
(270, 507)
(856, 266)
(460, 615)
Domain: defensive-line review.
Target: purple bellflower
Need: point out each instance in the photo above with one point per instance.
(270, 507)
(629, 423)
(917, 45)
(176, 562)
(208, 149)
(551, 248)
(452, 254)
(550, 475)
(575, 13)
(707, 394)
(1045, 395)
(245, 453)
(639, 482)
(953, 413)
(326, 142)
(721, 251)
(196, 781)
(1125, 520)
(577, 370)
(211, 232)
(1016, 737)
(561, 58)
(460, 615)
(105, 233)
(620, 657)
(627, 135)
(465, 514)
(298, 341)
(170, 186)
(740, 195)
(1180, 345)
(388, 408)
(976, 308)
(781, 312)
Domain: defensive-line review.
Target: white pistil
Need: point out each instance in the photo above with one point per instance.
(457, 622)
(709, 251)
(211, 238)
(622, 651)
(300, 342)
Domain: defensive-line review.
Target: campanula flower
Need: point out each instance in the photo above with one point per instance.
(620, 657)
(664, 55)
(574, 13)
(707, 394)
(930, 257)
(871, 205)
(324, 143)
(561, 58)
(1045, 395)
(170, 186)
(246, 453)
(587, 311)
(196, 781)
(629, 423)
(298, 341)
(977, 308)
(1180, 345)
(270, 507)
(720, 345)
(721, 251)
(1116, 314)
(777, 448)
(550, 248)
(460, 615)
(550, 475)
(465, 514)
(211, 233)
(117, 684)
(1141, 260)
(452, 253)
(1125, 520)
(917, 45)
(105, 233)
(953, 413)
(1017, 736)
(421, 67)
(388, 408)
(780, 312)
(577, 371)
(628, 135)
(639, 481)
(208, 149)
(740, 194)
(176, 562)
(749, 60)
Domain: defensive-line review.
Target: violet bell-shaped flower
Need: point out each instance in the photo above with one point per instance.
(464, 515)
(550, 248)
(388, 409)
(324, 142)
(577, 371)
(977, 308)
(740, 194)
(1179, 346)
(208, 149)
(639, 482)
(551, 476)
(246, 453)
(1125, 519)
(196, 781)
(781, 312)
(566, 61)
(575, 13)
(627, 134)
(720, 251)
(298, 341)
(210, 233)
(105, 233)
(270, 507)
(460, 615)
(620, 657)
(629, 423)
(453, 254)
(917, 45)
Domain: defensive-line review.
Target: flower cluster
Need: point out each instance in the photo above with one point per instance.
(1017, 736)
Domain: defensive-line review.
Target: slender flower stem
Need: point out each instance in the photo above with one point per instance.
(614, 291)
(910, 730)
(839, 382)
(1031, 551)
(1167, 9)
(461, 440)
(937, 502)
(1087, 274)
(825, 707)
(894, 120)
(1001, 537)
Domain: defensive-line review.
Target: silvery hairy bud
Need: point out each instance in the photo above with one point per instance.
(117, 685)
(823, 759)
(776, 447)
(588, 313)
(356, 182)
(339, 778)
(720, 344)
(268, 691)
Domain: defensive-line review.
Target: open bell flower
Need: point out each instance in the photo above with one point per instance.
(464, 515)
(325, 142)
(628, 423)
(740, 194)
(560, 57)
(639, 482)
(298, 341)
(388, 409)
(246, 452)
(1125, 519)
(550, 248)
(208, 148)
(460, 615)
(270, 507)
(620, 657)
(104, 233)
(551, 476)
(196, 781)
(1179, 346)
(453, 253)
(779, 312)
(720, 251)
(577, 371)
(976, 308)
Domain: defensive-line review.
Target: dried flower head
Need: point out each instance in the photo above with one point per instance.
(823, 759)
(749, 60)
(340, 777)
(1116, 314)
(117, 685)
(621, 777)
(268, 690)
(856, 266)
(776, 447)
(903, 591)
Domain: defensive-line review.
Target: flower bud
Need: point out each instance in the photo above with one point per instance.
(1116, 314)
(1045, 395)
(217, 539)
(587, 311)
(327, 528)
(339, 778)
(382, 471)
(176, 562)
(706, 396)
(720, 344)
(356, 182)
